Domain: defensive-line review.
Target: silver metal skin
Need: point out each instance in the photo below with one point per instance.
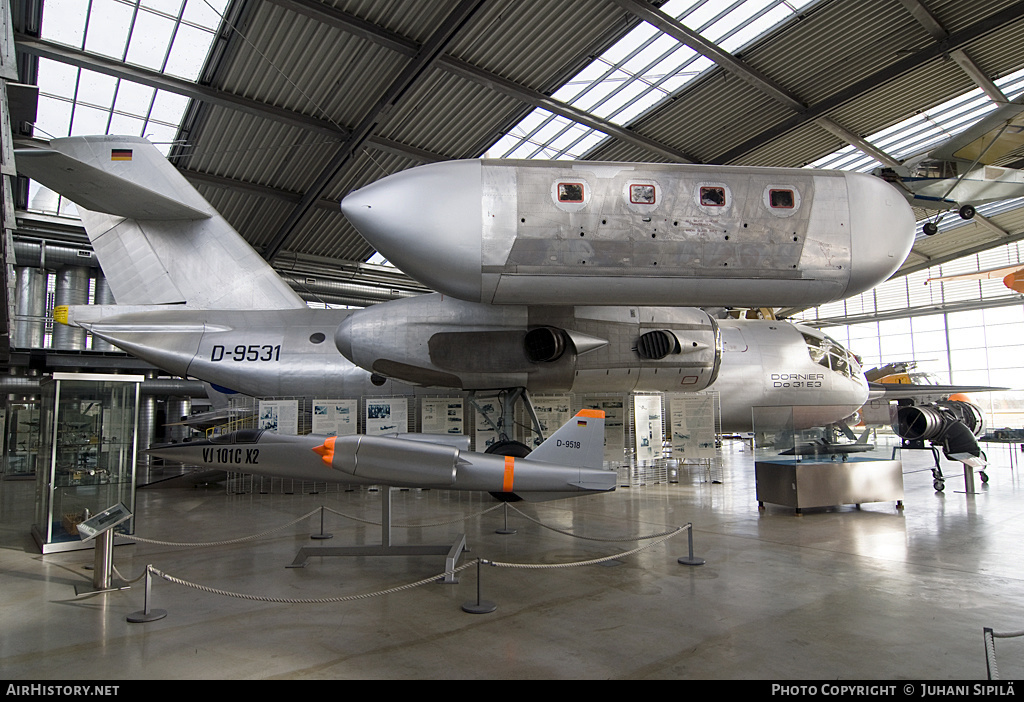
(568, 464)
(510, 232)
(157, 239)
(442, 341)
(239, 326)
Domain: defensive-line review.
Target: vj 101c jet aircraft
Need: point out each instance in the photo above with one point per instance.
(194, 299)
(568, 464)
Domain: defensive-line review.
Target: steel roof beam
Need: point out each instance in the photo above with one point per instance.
(420, 65)
(932, 25)
(957, 40)
(737, 67)
(354, 25)
(100, 64)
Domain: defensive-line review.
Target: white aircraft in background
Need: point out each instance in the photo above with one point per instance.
(958, 174)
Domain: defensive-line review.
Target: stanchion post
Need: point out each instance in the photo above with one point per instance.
(147, 614)
(691, 559)
(480, 606)
(322, 535)
(505, 530)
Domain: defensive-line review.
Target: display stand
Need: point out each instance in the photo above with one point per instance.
(386, 548)
(100, 527)
(938, 479)
(89, 422)
(811, 468)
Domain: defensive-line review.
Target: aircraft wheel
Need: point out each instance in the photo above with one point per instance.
(931, 229)
(507, 447)
(939, 485)
(967, 212)
(984, 476)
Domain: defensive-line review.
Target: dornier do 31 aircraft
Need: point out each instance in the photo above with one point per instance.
(551, 277)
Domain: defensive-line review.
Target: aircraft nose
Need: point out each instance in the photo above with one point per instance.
(881, 231)
(427, 221)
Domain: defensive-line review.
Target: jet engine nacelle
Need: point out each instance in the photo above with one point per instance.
(954, 424)
(440, 341)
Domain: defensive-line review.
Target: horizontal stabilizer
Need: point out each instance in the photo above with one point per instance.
(100, 190)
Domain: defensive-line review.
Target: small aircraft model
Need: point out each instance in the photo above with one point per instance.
(824, 447)
(960, 174)
(568, 464)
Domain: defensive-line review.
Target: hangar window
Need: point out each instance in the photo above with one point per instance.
(642, 194)
(570, 192)
(712, 197)
(784, 199)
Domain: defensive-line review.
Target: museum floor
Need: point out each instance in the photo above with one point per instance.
(839, 593)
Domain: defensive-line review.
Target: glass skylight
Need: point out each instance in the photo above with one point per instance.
(639, 72)
(925, 130)
(169, 36)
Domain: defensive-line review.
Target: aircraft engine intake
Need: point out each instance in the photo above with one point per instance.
(952, 423)
(544, 344)
(655, 345)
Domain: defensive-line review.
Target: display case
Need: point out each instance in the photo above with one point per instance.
(803, 468)
(87, 454)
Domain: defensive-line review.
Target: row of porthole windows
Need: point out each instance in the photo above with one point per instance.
(572, 195)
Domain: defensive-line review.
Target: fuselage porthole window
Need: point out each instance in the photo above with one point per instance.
(570, 192)
(782, 199)
(712, 197)
(642, 194)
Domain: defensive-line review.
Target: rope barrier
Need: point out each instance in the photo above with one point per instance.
(990, 649)
(323, 600)
(655, 539)
(593, 561)
(415, 526)
(239, 540)
(672, 532)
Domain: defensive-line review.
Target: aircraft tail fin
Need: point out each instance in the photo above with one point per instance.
(157, 239)
(578, 443)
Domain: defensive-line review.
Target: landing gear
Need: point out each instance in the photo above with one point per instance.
(967, 212)
(931, 228)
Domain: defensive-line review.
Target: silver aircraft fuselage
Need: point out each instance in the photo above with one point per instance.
(267, 353)
(592, 233)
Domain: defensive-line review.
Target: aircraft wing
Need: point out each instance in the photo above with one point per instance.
(99, 190)
(908, 391)
(1004, 127)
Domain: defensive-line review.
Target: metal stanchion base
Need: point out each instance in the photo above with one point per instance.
(479, 607)
(143, 616)
(85, 592)
(506, 532)
(320, 537)
(690, 560)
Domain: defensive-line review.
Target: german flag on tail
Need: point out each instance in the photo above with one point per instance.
(120, 154)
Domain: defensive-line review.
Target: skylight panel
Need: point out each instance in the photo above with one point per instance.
(646, 67)
(173, 36)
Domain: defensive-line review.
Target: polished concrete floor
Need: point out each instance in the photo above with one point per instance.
(876, 593)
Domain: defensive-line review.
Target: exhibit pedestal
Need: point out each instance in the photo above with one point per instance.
(804, 484)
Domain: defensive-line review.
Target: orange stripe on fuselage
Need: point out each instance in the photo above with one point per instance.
(592, 413)
(510, 469)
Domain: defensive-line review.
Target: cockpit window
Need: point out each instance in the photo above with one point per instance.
(826, 352)
(242, 436)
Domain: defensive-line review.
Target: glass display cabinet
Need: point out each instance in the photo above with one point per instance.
(87, 454)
